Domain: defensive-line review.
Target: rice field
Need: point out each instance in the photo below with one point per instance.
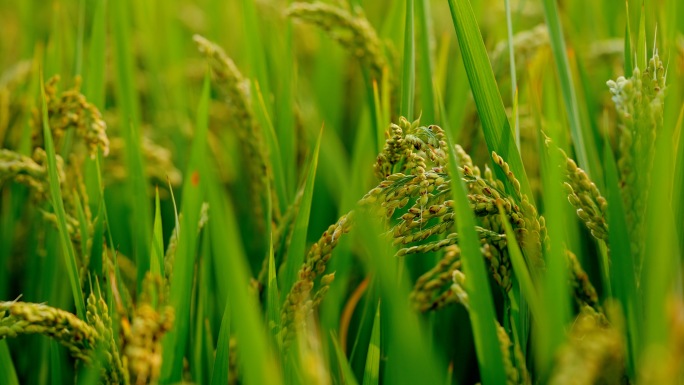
(341, 192)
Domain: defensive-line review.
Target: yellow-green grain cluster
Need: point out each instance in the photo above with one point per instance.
(235, 89)
(76, 335)
(351, 30)
(639, 102)
(594, 353)
(70, 110)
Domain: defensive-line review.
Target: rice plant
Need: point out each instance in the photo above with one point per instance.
(341, 192)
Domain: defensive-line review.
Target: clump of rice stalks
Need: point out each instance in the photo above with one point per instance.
(413, 195)
(71, 110)
(594, 353)
(235, 90)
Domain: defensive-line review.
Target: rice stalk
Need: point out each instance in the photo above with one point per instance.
(235, 90)
(70, 110)
(351, 30)
(17, 318)
(639, 102)
(594, 353)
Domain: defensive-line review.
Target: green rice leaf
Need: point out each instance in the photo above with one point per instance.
(176, 341)
(427, 92)
(678, 186)
(273, 299)
(623, 271)
(407, 356)
(7, 373)
(409, 65)
(94, 82)
(481, 311)
(83, 227)
(585, 149)
(78, 54)
(279, 177)
(222, 360)
(514, 81)
(56, 363)
(495, 125)
(256, 354)
(346, 371)
(628, 54)
(520, 269)
(371, 375)
(555, 292)
(157, 260)
(297, 250)
(641, 50)
(127, 99)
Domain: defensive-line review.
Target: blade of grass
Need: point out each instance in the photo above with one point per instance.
(127, 100)
(495, 125)
(371, 374)
(229, 260)
(623, 273)
(56, 374)
(199, 364)
(58, 206)
(285, 107)
(481, 309)
(157, 260)
(8, 374)
(514, 81)
(556, 292)
(273, 299)
(520, 269)
(255, 48)
(222, 360)
(678, 192)
(659, 274)
(585, 149)
(78, 59)
(380, 120)
(628, 55)
(404, 345)
(274, 151)
(347, 373)
(94, 82)
(427, 92)
(409, 65)
(297, 249)
(641, 51)
(249, 326)
(82, 228)
(175, 342)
